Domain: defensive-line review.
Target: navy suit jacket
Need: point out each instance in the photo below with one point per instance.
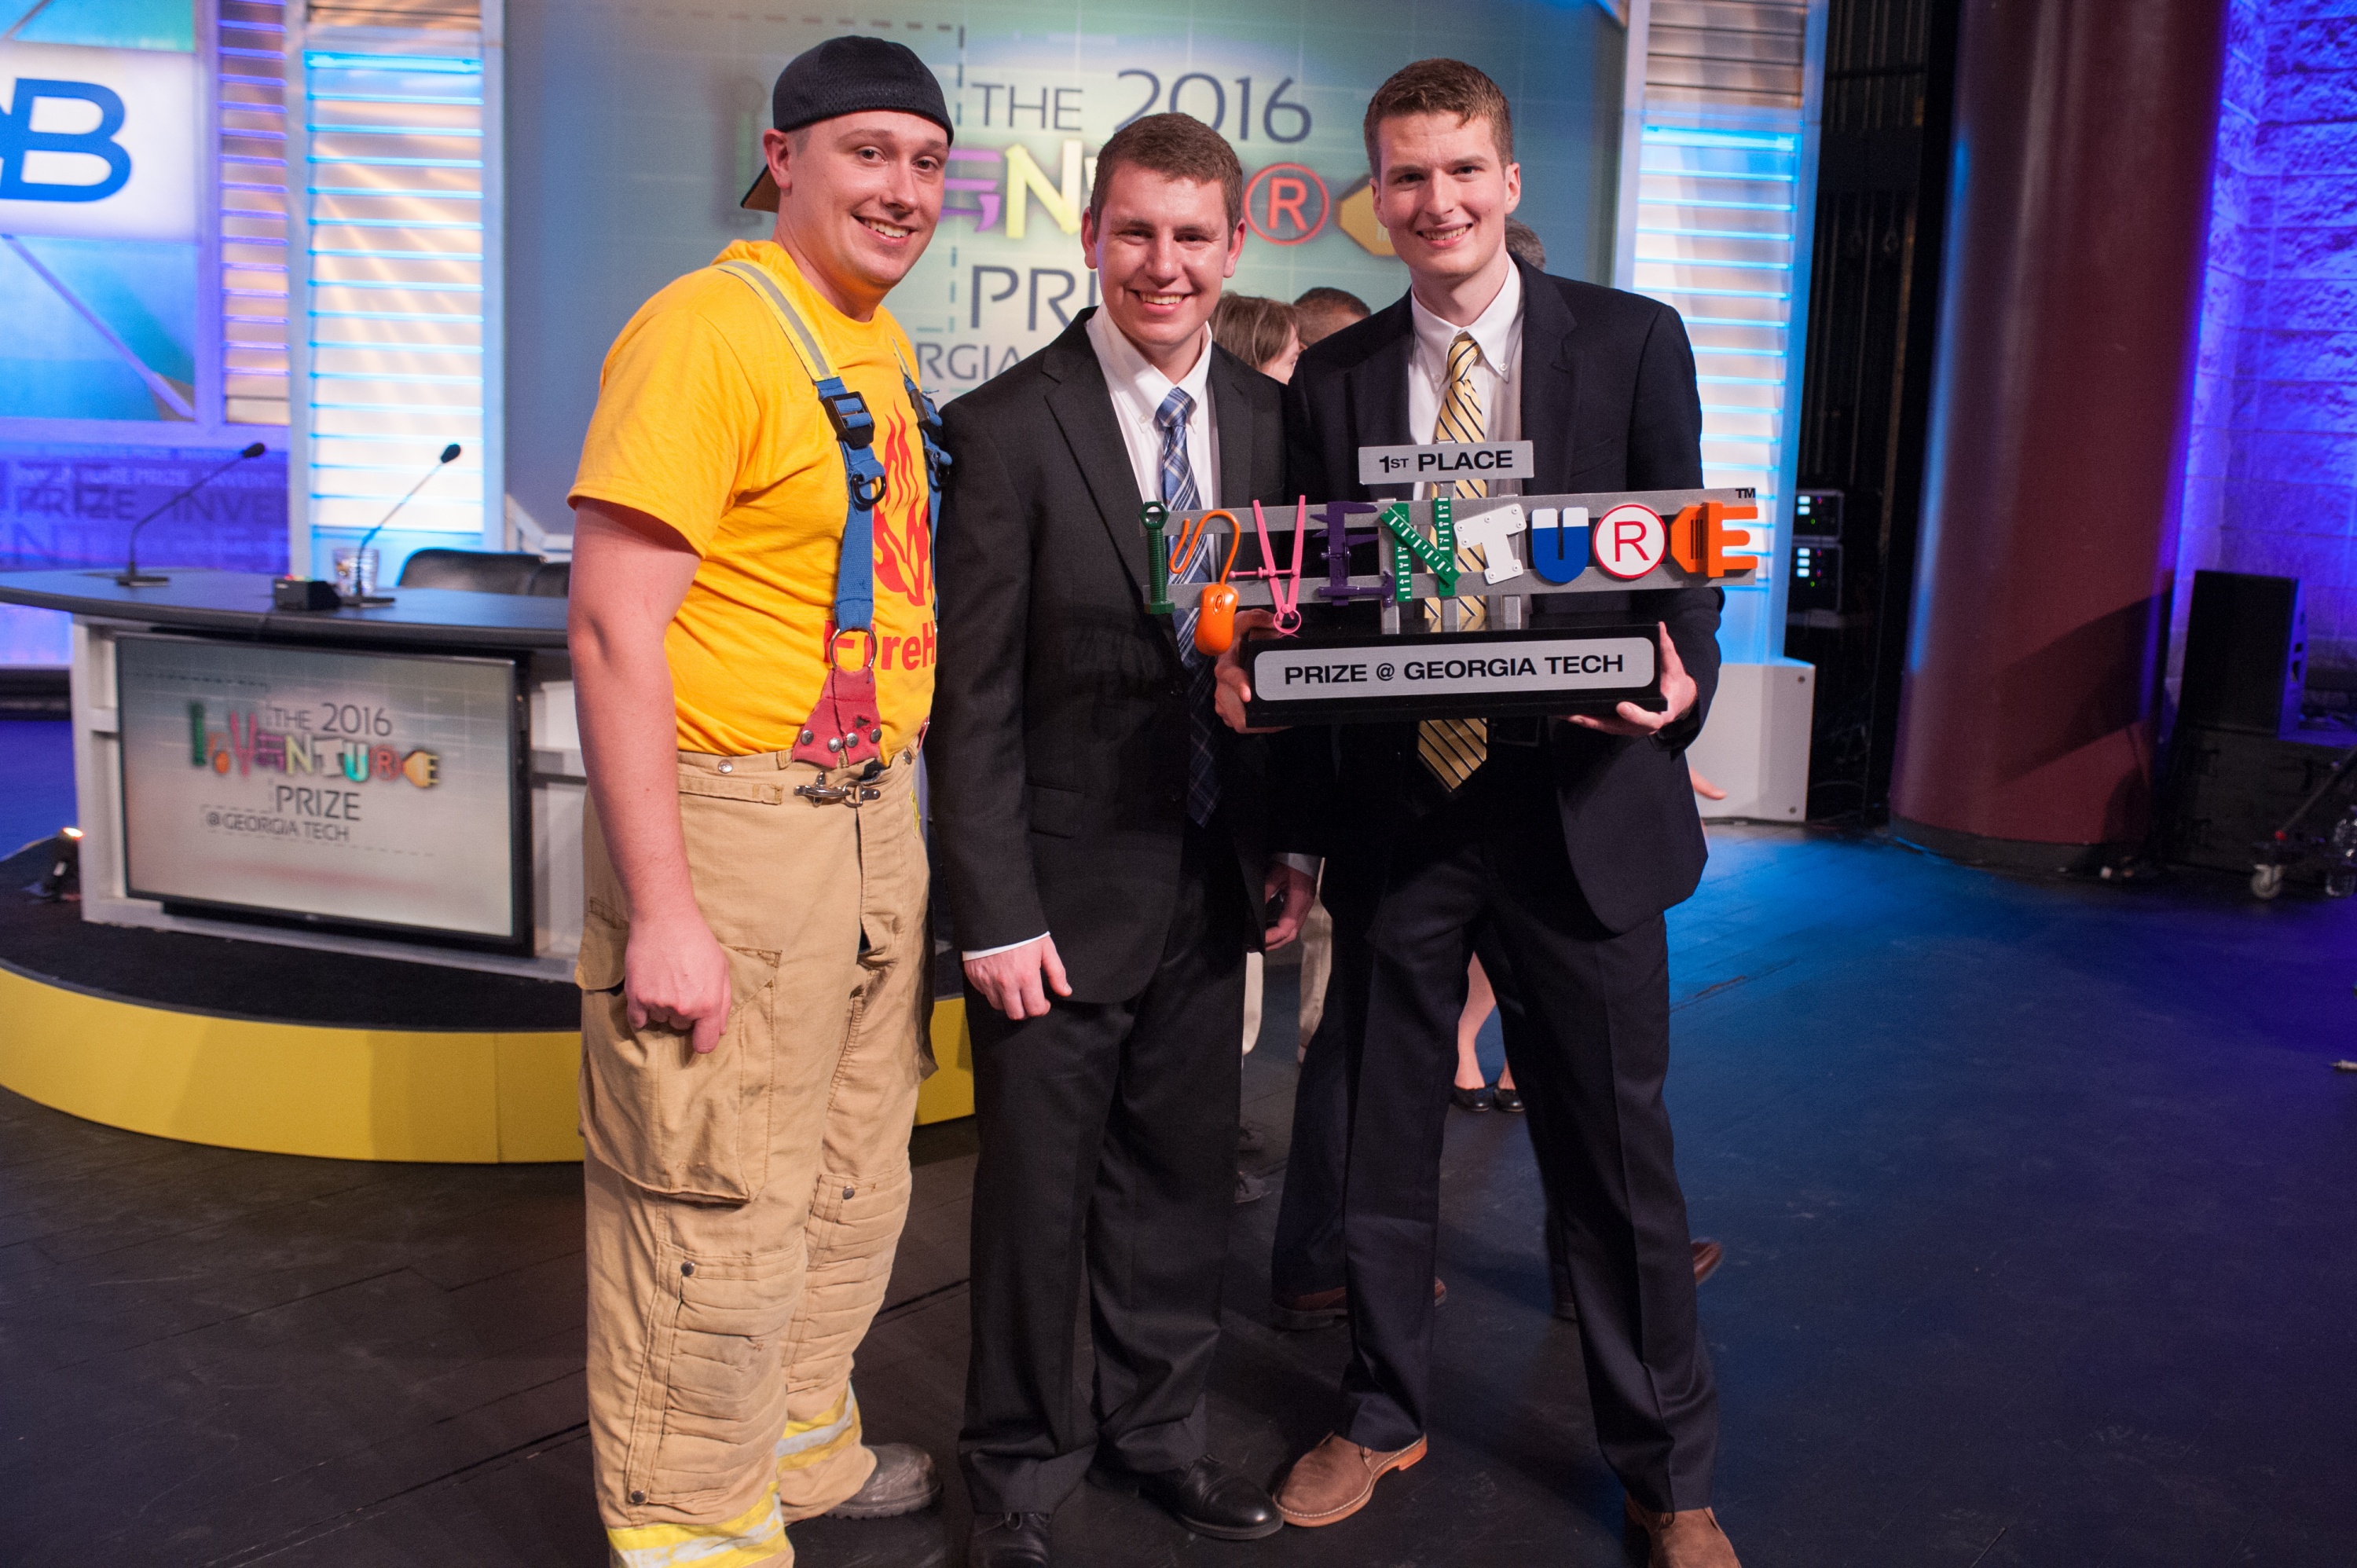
(1608, 402)
(1059, 748)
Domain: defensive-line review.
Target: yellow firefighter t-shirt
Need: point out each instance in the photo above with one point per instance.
(708, 420)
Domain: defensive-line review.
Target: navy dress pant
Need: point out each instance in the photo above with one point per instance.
(1485, 871)
(1107, 1170)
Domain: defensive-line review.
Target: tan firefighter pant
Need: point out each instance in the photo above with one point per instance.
(743, 1206)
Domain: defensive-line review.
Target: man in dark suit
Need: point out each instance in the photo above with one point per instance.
(1550, 848)
(1100, 839)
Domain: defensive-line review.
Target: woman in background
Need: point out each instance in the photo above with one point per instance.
(1266, 334)
(1263, 333)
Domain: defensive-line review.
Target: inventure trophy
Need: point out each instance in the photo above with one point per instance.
(1500, 551)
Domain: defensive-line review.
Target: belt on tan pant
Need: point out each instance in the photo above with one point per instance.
(850, 787)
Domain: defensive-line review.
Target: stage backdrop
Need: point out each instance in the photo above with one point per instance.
(631, 133)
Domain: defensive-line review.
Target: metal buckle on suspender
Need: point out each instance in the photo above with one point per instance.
(929, 431)
(850, 792)
(854, 431)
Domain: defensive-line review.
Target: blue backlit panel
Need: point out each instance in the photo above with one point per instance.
(1717, 236)
(394, 302)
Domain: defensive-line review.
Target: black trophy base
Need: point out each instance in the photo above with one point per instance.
(1450, 675)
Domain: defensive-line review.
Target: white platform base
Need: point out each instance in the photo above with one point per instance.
(1756, 745)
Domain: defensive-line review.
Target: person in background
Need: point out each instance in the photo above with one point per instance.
(1321, 312)
(753, 949)
(1100, 834)
(1523, 243)
(1263, 333)
(1469, 1090)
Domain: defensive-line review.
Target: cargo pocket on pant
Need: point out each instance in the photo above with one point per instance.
(669, 1120)
(720, 1361)
(854, 1228)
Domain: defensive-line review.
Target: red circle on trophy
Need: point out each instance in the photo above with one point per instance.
(1630, 540)
(1286, 204)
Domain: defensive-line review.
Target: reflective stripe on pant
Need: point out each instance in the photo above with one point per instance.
(744, 1205)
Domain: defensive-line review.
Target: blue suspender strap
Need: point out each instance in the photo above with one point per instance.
(937, 457)
(854, 572)
(855, 432)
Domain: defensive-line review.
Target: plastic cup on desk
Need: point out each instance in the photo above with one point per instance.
(355, 573)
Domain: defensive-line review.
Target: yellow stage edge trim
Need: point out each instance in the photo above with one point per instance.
(466, 1097)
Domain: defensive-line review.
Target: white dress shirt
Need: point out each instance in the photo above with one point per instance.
(1138, 390)
(1497, 375)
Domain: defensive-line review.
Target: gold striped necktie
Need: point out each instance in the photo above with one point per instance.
(1453, 749)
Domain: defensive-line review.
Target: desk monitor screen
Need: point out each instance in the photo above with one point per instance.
(377, 790)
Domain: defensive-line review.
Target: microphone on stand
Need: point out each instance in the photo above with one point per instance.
(450, 455)
(130, 576)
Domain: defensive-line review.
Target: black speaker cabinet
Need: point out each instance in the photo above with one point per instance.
(2245, 654)
(2228, 791)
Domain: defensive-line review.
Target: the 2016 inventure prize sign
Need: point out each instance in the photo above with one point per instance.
(368, 788)
(1475, 563)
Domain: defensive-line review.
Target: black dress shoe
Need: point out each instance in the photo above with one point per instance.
(1470, 1099)
(1506, 1097)
(1206, 1497)
(1007, 1540)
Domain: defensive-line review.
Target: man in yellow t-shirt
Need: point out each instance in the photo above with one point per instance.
(753, 647)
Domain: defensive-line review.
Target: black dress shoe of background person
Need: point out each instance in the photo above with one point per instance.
(1325, 1308)
(1505, 1097)
(1007, 1540)
(1471, 1098)
(903, 1481)
(1206, 1497)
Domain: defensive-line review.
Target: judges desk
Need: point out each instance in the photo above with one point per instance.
(396, 781)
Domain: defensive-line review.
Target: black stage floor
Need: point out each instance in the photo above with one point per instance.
(2038, 1202)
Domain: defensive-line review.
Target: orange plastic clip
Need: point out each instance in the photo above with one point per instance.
(1215, 624)
(1215, 621)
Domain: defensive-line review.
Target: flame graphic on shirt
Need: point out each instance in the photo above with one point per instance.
(904, 545)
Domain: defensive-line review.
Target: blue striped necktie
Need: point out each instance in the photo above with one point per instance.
(1179, 494)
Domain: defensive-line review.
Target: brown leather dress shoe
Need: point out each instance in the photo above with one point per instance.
(1689, 1538)
(1334, 1480)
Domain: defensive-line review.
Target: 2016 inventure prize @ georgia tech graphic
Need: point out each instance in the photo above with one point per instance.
(319, 771)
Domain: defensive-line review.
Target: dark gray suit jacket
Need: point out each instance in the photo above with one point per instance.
(1058, 753)
(1608, 402)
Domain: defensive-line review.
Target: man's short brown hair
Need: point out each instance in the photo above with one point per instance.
(1176, 146)
(1440, 87)
(1323, 311)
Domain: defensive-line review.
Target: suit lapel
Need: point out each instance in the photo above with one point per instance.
(1550, 384)
(1082, 406)
(1232, 407)
(1378, 390)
